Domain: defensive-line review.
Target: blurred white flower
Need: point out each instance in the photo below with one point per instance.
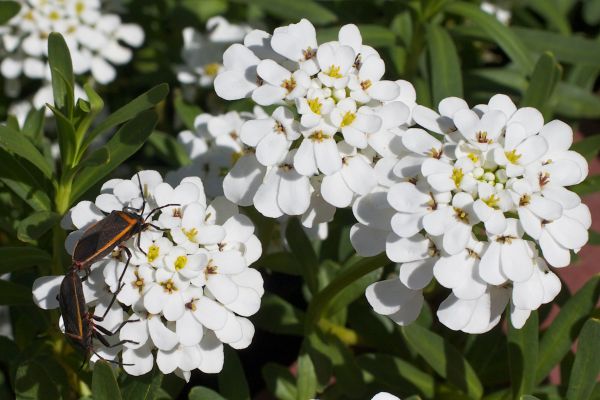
(188, 288)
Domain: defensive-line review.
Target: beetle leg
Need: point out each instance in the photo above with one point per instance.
(156, 227)
(160, 208)
(139, 235)
(121, 325)
(128, 252)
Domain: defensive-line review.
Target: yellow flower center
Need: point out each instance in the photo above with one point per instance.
(153, 253)
(169, 286)
(348, 119)
(138, 283)
(512, 156)
(365, 84)
(435, 153)
(492, 201)
(524, 200)
(79, 7)
(315, 105)
(289, 84)
(457, 176)
(334, 71)
(481, 137)
(180, 262)
(211, 69)
(461, 215)
(318, 136)
(54, 15)
(473, 157)
(191, 234)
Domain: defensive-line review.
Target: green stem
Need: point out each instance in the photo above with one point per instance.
(320, 303)
(62, 202)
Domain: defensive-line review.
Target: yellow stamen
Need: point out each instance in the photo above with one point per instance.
(180, 262)
(191, 234)
(289, 84)
(512, 156)
(457, 176)
(461, 214)
(153, 253)
(334, 71)
(524, 200)
(348, 119)
(315, 105)
(473, 157)
(212, 69)
(79, 7)
(492, 201)
(435, 153)
(318, 136)
(169, 286)
(365, 84)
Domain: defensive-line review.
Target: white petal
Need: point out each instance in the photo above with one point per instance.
(212, 354)
(162, 337)
(222, 288)
(515, 260)
(45, 291)
(210, 313)
(489, 266)
(335, 190)
(407, 249)
(138, 361)
(242, 182)
(327, 157)
(189, 331)
(554, 253)
(367, 241)
(417, 274)
(293, 195)
(246, 304)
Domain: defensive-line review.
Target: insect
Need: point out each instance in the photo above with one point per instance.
(101, 238)
(79, 323)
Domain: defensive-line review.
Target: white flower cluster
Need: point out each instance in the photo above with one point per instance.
(95, 39)
(334, 118)
(481, 204)
(188, 288)
(213, 148)
(202, 53)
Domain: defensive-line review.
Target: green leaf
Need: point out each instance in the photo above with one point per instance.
(594, 238)
(444, 358)
(8, 9)
(307, 376)
(542, 84)
(24, 180)
(586, 368)
(233, 372)
(575, 102)
(567, 49)
(142, 387)
(66, 136)
(523, 354)
(34, 124)
(169, 149)
(61, 69)
(13, 294)
(281, 262)
(560, 335)
(33, 382)
(128, 139)
(446, 74)
(187, 112)
(100, 156)
(104, 384)
(276, 315)
(351, 292)
(303, 251)
(548, 11)
(397, 373)
(204, 393)
(293, 11)
(143, 102)
(376, 35)
(17, 143)
(36, 225)
(589, 186)
(16, 258)
(280, 381)
(591, 12)
(499, 33)
(588, 147)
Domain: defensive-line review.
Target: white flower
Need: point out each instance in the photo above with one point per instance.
(367, 84)
(279, 83)
(297, 42)
(354, 124)
(318, 151)
(314, 106)
(187, 288)
(395, 300)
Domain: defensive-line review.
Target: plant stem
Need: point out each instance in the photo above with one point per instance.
(62, 202)
(321, 301)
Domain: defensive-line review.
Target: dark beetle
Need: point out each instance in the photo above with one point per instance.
(79, 322)
(101, 238)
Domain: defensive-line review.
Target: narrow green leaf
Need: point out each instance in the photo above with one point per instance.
(444, 358)
(187, 112)
(169, 149)
(500, 34)
(61, 69)
(204, 393)
(33, 382)
(575, 102)
(567, 49)
(591, 12)
(233, 371)
(104, 384)
(143, 387)
(549, 12)
(280, 381)
(143, 102)
(523, 355)
(96, 102)
(352, 292)
(128, 139)
(446, 74)
(25, 181)
(17, 143)
(34, 124)
(276, 315)
(16, 258)
(100, 156)
(588, 186)
(291, 10)
(13, 294)
(8, 9)
(586, 368)
(542, 84)
(528, 397)
(66, 136)
(588, 147)
(376, 35)
(303, 251)
(307, 376)
(557, 340)
(36, 225)
(281, 262)
(397, 373)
